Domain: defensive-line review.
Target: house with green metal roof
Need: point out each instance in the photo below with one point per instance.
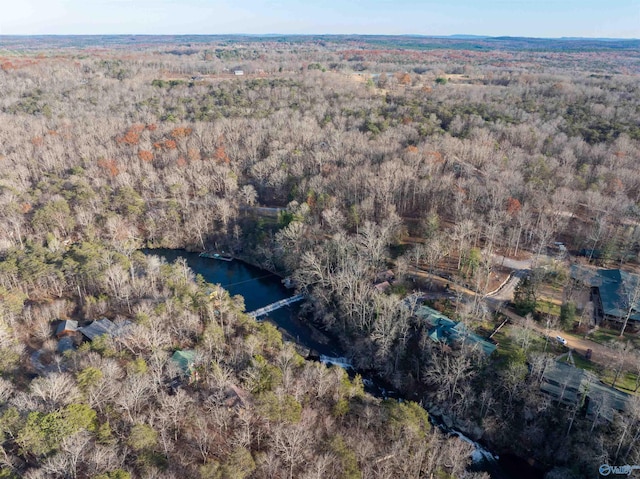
(615, 293)
(446, 331)
(184, 359)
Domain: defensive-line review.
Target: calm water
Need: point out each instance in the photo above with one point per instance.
(258, 287)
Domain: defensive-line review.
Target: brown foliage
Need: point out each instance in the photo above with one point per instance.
(180, 132)
(129, 138)
(436, 156)
(168, 144)
(111, 166)
(404, 78)
(145, 155)
(193, 154)
(513, 206)
(614, 186)
(221, 155)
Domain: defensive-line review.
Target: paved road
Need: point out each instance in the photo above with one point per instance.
(418, 273)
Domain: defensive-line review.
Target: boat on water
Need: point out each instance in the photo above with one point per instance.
(220, 256)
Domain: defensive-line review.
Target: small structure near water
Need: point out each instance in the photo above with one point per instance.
(213, 255)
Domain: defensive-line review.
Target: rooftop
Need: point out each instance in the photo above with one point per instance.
(104, 326)
(615, 286)
(569, 384)
(445, 330)
(67, 325)
(184, 359)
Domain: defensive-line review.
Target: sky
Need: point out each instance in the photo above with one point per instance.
(531, 18)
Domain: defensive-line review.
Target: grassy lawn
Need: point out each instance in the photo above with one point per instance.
(604, 336)
(545, 306)
(626, 382)
(582, 363)
(509, 350)
(509, 346)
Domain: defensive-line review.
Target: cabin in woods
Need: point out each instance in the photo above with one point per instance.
(104, 326)
(576, 387)
(66, 328)
(446, 331)
(615, 294)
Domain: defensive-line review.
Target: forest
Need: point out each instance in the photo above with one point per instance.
(326, 160)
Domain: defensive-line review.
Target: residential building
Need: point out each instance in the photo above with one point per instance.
(104, 326)
(446, 331)
(66, 328)
(615, 294)
(576, 387)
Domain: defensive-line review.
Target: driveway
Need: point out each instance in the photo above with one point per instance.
(511, 263)
(506, 290)
(497, 301)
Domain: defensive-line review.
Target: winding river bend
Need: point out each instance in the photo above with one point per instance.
(259, 288)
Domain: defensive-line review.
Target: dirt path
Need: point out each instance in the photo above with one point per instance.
(497, 302)
(600, 354)
(517, 264)
(418, 273)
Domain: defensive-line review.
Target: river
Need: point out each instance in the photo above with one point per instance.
(259, 288)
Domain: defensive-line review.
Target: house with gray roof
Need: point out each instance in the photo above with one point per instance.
(574, 386)
(66, 328)
(66, 344)
(105, 326)
(614, 293)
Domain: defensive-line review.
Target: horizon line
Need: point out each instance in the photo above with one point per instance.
(460, 36)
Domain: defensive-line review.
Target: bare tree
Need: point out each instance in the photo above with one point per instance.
(630, 295)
